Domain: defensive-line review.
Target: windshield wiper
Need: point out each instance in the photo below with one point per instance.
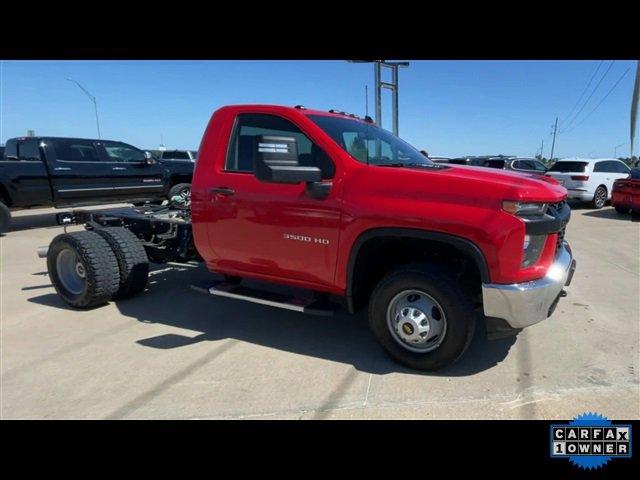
(397, 165)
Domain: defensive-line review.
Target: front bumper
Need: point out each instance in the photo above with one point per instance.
(523, 304)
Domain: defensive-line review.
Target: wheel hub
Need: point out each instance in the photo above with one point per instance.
(416, 321)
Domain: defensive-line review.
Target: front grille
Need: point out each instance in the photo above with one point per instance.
(560, 238)
(554, 210)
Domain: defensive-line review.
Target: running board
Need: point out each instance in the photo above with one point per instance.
(309, 306)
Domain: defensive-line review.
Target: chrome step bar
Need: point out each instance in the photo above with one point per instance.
(309, 306)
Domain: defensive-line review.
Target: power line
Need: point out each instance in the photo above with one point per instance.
(589, 98)
(583, 92)
(603, 99)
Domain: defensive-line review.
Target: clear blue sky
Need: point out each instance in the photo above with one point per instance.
(450, 108)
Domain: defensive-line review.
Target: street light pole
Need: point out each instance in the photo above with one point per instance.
(615, 150)
(95, 103)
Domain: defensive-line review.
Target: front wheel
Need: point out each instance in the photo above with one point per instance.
(422, 317)
(180, 196)
(599, 197)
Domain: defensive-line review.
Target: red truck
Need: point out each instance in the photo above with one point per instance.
(336, 206)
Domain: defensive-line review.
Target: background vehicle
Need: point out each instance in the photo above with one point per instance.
(518, 164)
(589, 179)
(179, 165)
(178, 155)
(337, 206)
(39, 171)
(439, 159)
(625, 194)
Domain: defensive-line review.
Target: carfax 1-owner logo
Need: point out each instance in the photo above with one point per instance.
(590, 441)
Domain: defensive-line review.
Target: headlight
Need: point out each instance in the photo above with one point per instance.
(533, 244)
(524, 209)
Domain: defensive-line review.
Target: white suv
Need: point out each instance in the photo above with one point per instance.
(589, 179)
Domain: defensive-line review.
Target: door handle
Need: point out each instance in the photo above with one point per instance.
(222, 191)
(61, 168)
(118, 168)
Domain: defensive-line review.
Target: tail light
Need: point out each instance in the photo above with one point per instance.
(580, 178)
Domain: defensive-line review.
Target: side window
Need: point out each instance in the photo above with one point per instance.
(10, 150)
(621, 168)
(121, 152)
(75, 151)
(28, 150)
(240, 155)
(600, 167)
(539, 166)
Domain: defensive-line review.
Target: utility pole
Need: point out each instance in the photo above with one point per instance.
(555, 130)
(366, 100)
(542, 149)
(93, 99)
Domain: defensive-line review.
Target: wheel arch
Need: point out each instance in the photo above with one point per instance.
(466, 247)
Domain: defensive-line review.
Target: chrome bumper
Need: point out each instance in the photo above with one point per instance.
(523, 304)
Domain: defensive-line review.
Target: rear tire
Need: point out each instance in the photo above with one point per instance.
(622, 209)
(133, 263)
(599, 197)
(446, 302)
(83, 269)
(181, 190)
(5, 217)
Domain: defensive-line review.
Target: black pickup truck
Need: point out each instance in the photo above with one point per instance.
(63, 172)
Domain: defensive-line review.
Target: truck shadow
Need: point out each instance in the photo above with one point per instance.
(343, 338)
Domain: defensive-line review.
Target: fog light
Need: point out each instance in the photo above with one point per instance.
(532, 249)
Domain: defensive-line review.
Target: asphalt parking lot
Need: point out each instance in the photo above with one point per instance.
(173, 353)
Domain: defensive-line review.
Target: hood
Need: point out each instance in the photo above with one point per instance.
(464, 184)
(513, 185)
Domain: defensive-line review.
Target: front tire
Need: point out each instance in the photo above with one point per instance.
(422, 317)
(83, 269)
(182, 190)
(599, 197)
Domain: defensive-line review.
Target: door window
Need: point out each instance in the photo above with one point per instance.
(121, 152)
(75, 151)
(240, 156)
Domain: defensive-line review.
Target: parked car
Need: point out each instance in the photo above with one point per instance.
(289, 196)
(517, 164)
(440, 159)
(589, 179)
(625, 194)
(179, 165)
(62, 172)
(479, 160)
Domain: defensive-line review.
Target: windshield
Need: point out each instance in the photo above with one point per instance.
(569, 167)
(368, 143)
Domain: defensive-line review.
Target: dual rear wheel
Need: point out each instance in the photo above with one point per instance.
(89, 268)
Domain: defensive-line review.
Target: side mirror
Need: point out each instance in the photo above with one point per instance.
(149, 159)
(276, 161)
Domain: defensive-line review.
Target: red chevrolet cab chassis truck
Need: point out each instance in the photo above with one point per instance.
(349, 213)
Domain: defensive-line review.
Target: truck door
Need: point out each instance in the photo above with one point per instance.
(79, 173)
(274, 230)
(133, 176)
(26, 173)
